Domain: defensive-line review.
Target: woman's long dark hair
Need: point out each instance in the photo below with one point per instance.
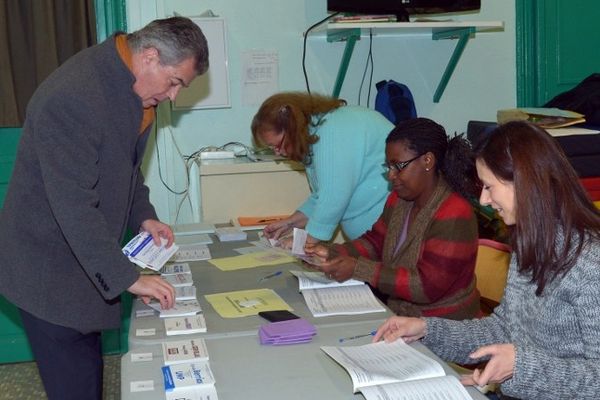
(549, 199)
(454, 158)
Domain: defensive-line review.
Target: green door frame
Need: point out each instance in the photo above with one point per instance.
(526, 15)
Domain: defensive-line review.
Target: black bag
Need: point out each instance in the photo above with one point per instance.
(583, 98)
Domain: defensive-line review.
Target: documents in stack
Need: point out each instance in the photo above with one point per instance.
(341, 300)
(179, 279)
(396, 371)
(185, 325)
(173, 269)
(192, 252)
(181, 308)
(317, 280)
(546, 118)
(205, 393)
(287, 332)
(182, 351)
(230, 234)
(193, 229)
(142, 251)
(201, 238)
(187, 376)
(185, 293)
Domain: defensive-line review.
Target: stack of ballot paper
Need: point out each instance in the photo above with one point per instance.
(230, 234)
(287, 332)
(142, 251)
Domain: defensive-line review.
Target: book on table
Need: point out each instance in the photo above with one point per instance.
(318, 280)
(185, 325)
(395, 371)
(181, 351)
(189, 375)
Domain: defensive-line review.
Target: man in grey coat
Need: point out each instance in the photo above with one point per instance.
(77, 187)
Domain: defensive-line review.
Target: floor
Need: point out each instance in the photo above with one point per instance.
(21, 381)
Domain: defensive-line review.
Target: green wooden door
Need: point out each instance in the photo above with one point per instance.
(558, 45)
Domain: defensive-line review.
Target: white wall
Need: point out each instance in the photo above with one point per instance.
(483, 82)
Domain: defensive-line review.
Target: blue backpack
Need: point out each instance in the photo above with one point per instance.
(395, 101)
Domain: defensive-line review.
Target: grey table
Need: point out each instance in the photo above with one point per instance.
(208, 279)
(245, 369)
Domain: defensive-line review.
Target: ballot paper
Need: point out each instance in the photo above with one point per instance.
(142, 251)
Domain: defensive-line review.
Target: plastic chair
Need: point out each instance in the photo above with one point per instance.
(491, 270)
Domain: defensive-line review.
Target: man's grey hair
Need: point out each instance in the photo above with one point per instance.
(176, 39)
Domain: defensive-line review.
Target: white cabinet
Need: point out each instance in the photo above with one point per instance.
(239, 187)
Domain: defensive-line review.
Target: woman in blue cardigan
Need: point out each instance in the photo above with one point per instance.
(342, 148)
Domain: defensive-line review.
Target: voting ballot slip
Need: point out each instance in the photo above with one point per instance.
(142, 251)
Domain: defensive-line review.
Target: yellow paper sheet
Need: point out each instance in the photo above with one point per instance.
(246, 302)
(251, 260)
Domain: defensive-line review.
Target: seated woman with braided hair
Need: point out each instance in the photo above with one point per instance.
(420, 254)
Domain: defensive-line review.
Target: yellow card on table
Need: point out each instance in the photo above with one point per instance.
(251, 260)
(246, 302)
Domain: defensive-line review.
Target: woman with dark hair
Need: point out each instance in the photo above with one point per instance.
(543, 340)
(341, 147)
(420, 254)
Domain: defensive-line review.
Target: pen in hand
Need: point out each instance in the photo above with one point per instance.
(273, 275)
(344, 339)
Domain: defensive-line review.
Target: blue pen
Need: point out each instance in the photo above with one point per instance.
(344, 339)
(273, 275)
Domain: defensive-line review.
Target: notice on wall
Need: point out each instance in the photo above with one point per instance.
(260, 76)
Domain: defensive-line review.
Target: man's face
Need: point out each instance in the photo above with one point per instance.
(156, 82)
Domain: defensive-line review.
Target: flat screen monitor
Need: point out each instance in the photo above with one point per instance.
(402, 8)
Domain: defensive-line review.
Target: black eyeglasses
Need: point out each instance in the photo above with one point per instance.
(398, 166)
(277, 148)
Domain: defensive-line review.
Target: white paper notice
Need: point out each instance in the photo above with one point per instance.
(260, 76)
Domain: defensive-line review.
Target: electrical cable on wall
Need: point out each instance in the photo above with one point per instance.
(367, 64)
(304, 47)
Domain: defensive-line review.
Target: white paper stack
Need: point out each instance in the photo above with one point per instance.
(230, 234)
(181, 308)
(142, 251)
(185, 325)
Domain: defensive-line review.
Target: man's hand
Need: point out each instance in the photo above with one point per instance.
(158, 230)
(153, 286)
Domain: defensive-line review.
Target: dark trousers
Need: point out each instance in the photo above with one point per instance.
(70, 363)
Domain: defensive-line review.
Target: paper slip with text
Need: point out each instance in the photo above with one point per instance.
(179, 279)
(187, 375)
(192, 350)
(185, 325)
(342, 300)
(317, 280)
(181, 308)
(185, 293)
(397, 371)
(246, 302)
(204, 393)
(142, 251)
(192, 252)
(173, 269)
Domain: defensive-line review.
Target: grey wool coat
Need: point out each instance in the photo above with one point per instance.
(75, 188)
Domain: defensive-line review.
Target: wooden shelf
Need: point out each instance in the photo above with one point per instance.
(351, 32)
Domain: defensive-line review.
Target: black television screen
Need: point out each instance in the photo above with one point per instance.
(402, 8)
